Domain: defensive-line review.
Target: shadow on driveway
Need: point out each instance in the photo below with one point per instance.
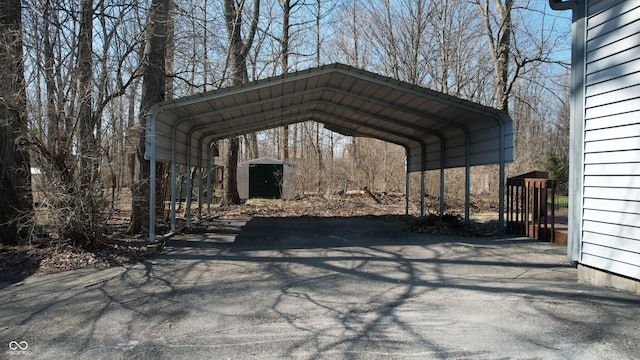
(310, 288)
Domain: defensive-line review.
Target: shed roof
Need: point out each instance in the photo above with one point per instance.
(266, 160)
(438, 130)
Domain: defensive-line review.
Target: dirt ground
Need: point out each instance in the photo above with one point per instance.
(118, 248)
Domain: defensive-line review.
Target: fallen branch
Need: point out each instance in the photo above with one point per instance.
(372, 195)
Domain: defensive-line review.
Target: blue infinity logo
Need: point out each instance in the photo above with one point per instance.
(22, 345)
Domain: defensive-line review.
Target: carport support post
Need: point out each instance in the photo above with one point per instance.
(173, 191)
(406, 188)
(406, 194)
(174, 175)
(422, 175)
(200, 179)
(501, 182)
(441, 191)
(187, 210)
(467, 190)
(442, 161)
(423, 160)
(151, 145)
(501, 194)
(199, 192)
(467, 177)
(209, 157)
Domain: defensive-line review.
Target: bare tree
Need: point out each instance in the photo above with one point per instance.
(398, 33)
(55, 151)
(499, 41)
(524, 83)
(15, 180)
(69, 89)
(239, 47)
(348, 44)
(153, 91)
(514, 52)
(457, 64)
(284, 58)
(87, 197)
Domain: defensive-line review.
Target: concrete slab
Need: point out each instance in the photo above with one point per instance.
(316, 288)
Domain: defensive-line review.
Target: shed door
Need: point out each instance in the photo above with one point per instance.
(265, 181)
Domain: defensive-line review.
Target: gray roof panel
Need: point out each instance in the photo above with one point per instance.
(348, 100)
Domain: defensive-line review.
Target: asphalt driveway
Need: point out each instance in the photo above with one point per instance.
(324, 288)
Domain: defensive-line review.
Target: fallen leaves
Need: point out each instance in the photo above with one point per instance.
(118, 248)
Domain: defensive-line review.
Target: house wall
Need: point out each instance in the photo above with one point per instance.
(609, 188)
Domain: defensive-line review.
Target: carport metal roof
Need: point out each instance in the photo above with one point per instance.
(437, 130)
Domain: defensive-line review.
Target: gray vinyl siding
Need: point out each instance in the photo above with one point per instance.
(611, 162)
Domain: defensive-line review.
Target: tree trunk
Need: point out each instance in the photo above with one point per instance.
(53, 131)
(87, 151)
(153, 91)
(284, 46)
(171, 50)
(295, 142)
(15, 174)
(504, 47)
(500, 46)
(86, 127)
(230, 193)
(320, 163)
(239, 49)
(253, 145)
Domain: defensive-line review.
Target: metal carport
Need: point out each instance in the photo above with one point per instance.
(438, 131)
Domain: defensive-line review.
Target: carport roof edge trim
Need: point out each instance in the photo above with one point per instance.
(336, 67)
(482, 116)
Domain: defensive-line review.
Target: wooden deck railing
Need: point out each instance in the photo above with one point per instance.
(531, 206)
